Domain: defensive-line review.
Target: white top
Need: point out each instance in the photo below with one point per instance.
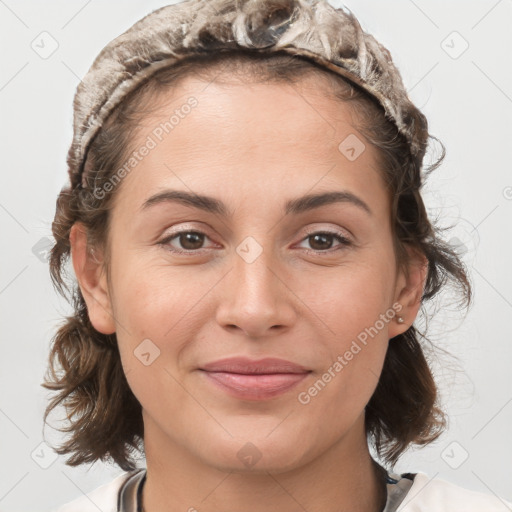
(422, 494)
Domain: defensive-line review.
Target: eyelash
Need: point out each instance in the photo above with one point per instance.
(344, 242)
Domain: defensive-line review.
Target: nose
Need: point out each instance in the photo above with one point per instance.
(256, 299)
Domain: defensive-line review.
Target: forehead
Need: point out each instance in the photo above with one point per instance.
(249, 137)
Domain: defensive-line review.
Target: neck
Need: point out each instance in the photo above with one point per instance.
(342, 479)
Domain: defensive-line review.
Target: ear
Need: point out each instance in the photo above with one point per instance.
(89, 271)
(408, 291)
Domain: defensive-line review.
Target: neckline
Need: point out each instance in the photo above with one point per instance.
(129, 498)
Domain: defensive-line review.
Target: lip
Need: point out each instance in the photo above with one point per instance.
(246, 366)
(259, 379)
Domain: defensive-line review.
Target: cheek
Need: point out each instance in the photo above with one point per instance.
(156, 320)
(349, 298)
(158, 302)
(355, 308)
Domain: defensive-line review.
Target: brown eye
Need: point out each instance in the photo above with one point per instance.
(322, 241)
(184, 241)
(191, 240)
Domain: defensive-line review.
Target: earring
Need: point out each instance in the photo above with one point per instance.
(400, 320)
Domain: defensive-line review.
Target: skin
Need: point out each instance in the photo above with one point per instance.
(208, 305)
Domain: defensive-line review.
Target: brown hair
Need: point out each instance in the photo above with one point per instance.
(105, 417)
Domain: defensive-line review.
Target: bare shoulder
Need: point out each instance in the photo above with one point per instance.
(428, 494)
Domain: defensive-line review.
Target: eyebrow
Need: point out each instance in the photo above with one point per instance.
(293, 206)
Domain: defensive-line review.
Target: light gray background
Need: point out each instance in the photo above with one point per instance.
(467, 98)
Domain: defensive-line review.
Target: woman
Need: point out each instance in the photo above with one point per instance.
(245, 223)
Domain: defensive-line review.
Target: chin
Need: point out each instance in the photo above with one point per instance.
(260, 454)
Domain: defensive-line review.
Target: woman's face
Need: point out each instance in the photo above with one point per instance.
(254, 281)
